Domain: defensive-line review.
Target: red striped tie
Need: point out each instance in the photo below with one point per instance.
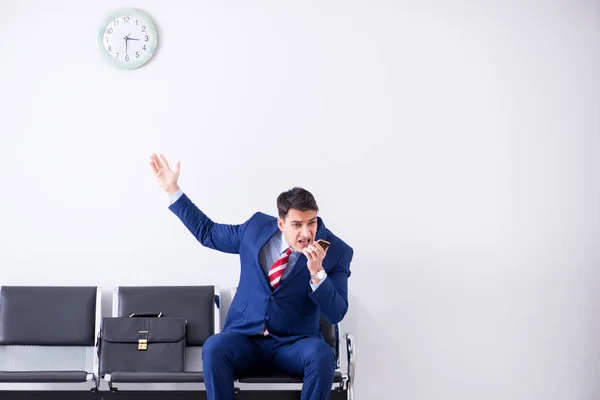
(278, 267)
(276, 272)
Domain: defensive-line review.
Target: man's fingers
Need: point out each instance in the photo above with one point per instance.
(319, 249)
(155, 161)
(308, 254)
(313, 252)
(157, 165)
(158, 162)
(165, 162)
(154, 169)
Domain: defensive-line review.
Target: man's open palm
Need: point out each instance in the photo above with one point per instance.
(166, 177)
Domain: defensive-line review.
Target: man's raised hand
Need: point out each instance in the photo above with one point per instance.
(166, 177)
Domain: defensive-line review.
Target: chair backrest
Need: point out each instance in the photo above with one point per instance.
(199, 305)
(328, 330)
(49, 328)
(331, 335)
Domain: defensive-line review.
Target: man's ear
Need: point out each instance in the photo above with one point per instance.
(280, 223)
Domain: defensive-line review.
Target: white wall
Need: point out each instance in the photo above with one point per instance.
(454, 145)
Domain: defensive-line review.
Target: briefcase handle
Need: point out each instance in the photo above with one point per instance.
(134, 315)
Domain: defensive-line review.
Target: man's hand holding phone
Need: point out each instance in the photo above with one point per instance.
(315, 253)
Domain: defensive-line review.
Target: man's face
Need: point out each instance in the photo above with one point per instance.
(299, 228)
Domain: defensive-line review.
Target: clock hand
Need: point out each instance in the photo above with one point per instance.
(126, 42)
(120, 47)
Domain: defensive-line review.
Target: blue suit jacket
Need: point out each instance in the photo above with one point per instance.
(291, 311)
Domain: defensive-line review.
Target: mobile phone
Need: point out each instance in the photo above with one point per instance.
(324, 243)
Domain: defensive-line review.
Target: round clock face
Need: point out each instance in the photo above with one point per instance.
(128, 38)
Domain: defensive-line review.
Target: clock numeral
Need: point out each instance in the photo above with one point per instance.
(137, 22)
(117, 55)
(144, 47)
(126, 19)
(137, 54)
(116, 22)
(126, 58)
(109, 49)
(144, 28)
(106, 40)
(146, 38)
(109, 31)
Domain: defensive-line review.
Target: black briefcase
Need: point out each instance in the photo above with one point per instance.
(142, 344)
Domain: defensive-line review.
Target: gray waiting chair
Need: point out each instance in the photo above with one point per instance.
(342, 380)
(199, 305)
(48, 333)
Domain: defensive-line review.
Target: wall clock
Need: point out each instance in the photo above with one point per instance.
(127, 38)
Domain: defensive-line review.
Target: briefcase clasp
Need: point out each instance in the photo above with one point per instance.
(143, 341)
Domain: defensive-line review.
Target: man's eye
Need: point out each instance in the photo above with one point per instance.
(311, 222)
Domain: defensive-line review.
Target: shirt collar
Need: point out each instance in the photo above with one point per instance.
(284, 244)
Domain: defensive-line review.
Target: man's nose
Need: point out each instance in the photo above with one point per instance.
(305, 231)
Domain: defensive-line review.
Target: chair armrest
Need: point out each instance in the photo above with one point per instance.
(351, 351)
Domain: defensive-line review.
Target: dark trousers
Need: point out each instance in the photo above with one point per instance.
(230, 354)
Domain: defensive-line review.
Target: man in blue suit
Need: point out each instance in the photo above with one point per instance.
(287, 282)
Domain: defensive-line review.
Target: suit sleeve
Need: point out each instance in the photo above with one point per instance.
(331, 297)
(221, 237)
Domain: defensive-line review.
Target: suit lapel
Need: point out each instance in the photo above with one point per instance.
(268, 231)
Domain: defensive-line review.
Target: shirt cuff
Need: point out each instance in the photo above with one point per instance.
(314, 286)
(175, 196)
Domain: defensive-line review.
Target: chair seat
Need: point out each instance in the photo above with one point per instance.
(43, 376)
(156, 377)
(279, 377)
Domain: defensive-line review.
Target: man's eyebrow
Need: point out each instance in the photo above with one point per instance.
(312, 219)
